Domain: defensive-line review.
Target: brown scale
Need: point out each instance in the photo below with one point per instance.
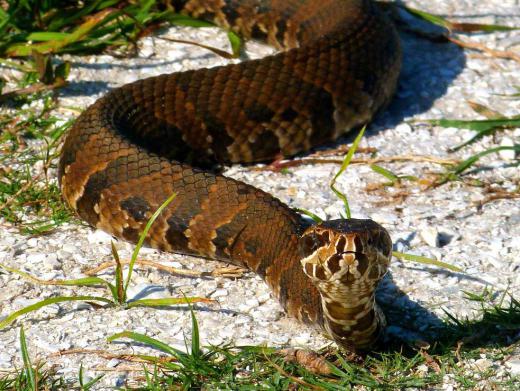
(140, 143)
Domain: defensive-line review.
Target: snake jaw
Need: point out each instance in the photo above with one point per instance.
(345, 260)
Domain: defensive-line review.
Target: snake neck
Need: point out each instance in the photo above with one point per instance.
(352, 318)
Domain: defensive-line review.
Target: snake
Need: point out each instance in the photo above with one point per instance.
(337, 65)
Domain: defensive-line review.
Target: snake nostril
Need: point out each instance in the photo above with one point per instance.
(358, 244)
(340, 244)
(333, 263)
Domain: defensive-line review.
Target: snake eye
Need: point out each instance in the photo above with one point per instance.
(310, 244)
(314, 240)
(385, 244)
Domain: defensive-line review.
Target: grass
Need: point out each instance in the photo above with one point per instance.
(459, 343)
(32, 34)
(118, 290)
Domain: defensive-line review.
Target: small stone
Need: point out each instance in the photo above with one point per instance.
(32, 242)
(70, 248)
(422, 369)
(220, 293)
(403, 128)
(430, 235)
(301, 339)
(21, 302)
(51, 262)
(507, 154)
(146, 291)
(5, 360)
(113, 363)
(35, 258)
(99, 237)
(63, 255)
(384, 218)
(514, 366)
(483, 364)
(249, 305)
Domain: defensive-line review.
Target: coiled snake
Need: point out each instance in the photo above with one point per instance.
(338, 65)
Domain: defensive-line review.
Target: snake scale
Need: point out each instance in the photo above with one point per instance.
(337, 66)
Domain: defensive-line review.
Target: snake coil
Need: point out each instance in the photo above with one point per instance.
(338, 65)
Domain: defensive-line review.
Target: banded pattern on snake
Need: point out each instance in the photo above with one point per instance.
(338, 66)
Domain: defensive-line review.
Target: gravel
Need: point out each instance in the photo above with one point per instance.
(445, 223)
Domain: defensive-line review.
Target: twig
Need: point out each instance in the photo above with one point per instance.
(497, 195)
(289, 376)
(219, 52)
(480, 47)
(308, 359)
(228, 272)
(383, 159)
(37, 87)
(20, 191)
(109, 356)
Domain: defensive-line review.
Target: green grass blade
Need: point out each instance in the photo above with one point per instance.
(142, 237)
(463, 166)
(482, 127)
(426, 261)
(166, 301)
(235, 42)
(452, 26)
(81, 375)
(52, 300)
(156, 344)
(185, 20)
(27, 361)
(120, 292)
(195, 336)
(43, 36)
(344, 165)
(86, 281)
(317, 219)
(477, 125)
(437, 20)
(386, 173)
(90, 383)
(54, 46)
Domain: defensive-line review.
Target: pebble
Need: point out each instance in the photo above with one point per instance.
(507, 154)
(99, 237)
(35, 258)
(220, 293)
(403, 128)
(482, 364)
(146, 291)
(514, 366)
(430, 235)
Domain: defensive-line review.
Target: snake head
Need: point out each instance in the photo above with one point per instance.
(345, 260)
(345, 251)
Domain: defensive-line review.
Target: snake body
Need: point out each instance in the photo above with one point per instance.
(338, 65)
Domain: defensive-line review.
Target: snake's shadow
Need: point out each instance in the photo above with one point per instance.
(408, 321)
(428, 70)
(412, 326)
